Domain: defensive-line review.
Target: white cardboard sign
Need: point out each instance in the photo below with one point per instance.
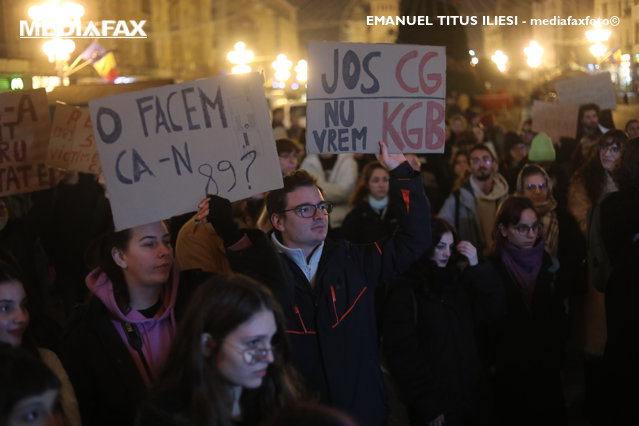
(163, 149)
(360, 93)
(595, 88)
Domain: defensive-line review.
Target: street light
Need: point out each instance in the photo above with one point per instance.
(533, 53)
(598, 37)
(500, 59)
(55, 17)
(302, 71)
(240, 57)
(282, 67)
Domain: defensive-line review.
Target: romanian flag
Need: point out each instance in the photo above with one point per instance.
(102, 60)
(106, 67)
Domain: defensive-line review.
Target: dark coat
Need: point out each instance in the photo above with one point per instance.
(105, 378)
(527, 351)
(363, 225)
(331, 326)
(620, 230)
(430, 343)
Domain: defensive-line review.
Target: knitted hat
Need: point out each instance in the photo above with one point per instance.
(541, 149)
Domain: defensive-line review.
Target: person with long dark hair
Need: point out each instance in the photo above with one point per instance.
(229, 361)
(528, 341)
(429, 331)
(620, 234)
(117, 342)
(15, 331)
(29, 390)
(374, 215)
(589, 185)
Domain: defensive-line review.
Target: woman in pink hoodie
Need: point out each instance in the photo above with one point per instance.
(117, 342)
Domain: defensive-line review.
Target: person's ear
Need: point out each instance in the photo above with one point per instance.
(207, 344)
(277, 221)
(118, 258)
(502, 230)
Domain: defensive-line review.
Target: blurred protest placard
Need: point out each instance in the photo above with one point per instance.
(555, 120)
(587, 89)
(24, 136)
(359, 94)
(71, 145)
(163, 149)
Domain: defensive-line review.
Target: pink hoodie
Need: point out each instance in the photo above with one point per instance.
(156, 333)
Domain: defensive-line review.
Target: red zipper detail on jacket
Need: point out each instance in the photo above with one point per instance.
(299, 315)
(334, 307)
(406, 197)
(353, 305)
(379, 249)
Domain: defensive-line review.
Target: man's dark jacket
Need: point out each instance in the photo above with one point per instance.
(331, 325)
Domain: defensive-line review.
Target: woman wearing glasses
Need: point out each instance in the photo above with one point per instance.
(528, 341)
(228, 363)
(589, 185)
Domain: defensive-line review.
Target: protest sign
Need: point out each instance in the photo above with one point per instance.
(163, 149)
(71, 145)
(588, 89)
(359, 94)
(24, 137)
(555, 120)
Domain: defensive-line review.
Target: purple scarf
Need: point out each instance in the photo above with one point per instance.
(524, 265)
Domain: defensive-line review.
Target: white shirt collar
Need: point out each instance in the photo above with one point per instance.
(299, 258)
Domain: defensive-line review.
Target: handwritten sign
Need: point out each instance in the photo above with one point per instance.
(163, 149)
(555, 120)
(24, 137)
(359, 94)
(71, 145)
(596, 89)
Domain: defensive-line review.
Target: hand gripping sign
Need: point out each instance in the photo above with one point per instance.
(359, 94)
(163, 149)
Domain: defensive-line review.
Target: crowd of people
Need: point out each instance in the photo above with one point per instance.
(455, 281)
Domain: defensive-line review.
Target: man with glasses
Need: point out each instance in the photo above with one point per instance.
(473, 207)
(326, 288)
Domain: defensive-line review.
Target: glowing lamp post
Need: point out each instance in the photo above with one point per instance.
(282, 67)
(500, 59)
(598, 37)
(533, 53)
(56, 17)
(240, 57)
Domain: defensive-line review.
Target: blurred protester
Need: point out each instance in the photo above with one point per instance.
(229, 362)
(279, 131)
(529, 339)
(513, 159)
(117, 342)
(14, 331)
(472, 208)
(429, 332)
(620, 234)
(632, 128)
(374, 215)
(589, 121)
(28, 390)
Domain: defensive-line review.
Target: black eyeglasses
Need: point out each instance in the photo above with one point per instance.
(613, 149)
(308, 210)
(534, 187)
(525, 229)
